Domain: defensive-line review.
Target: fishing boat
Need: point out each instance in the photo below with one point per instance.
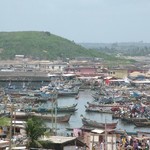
(60, 109)
(68, 91)
(133, 120)
(142, 124)
(95, 124)
(96, 104)
(34, 99)
(4, 114)
(99, 109)
(49, 117)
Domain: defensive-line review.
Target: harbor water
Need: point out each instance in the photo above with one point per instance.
(75, 120)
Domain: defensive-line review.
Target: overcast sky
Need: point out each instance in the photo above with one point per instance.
(80, 20)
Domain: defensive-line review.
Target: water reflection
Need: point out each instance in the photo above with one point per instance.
(75, 120)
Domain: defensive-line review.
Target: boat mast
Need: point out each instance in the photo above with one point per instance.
(10, 130)
(52, 119)
(56, 116)
(105, 135)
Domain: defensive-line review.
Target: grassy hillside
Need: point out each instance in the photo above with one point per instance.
(43, 45)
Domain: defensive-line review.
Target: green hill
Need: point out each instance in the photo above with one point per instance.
(43, 45)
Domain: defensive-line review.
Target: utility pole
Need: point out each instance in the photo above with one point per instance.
(14, 122)
(10, 130)
(55, 116)
(105, 135)
(52, 120)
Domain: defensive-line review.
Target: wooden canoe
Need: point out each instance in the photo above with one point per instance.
(95, 124)
(49, 117)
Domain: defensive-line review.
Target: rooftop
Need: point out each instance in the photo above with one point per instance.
(58, 139)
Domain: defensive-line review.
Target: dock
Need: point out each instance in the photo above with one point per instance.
(24, 76)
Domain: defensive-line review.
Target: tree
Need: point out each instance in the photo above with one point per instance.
(35, 128)
(4, 121)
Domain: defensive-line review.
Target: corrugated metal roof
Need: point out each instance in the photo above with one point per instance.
(98, 131)
(58, 139)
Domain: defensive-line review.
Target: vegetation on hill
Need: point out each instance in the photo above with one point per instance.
(125, 49)
(43, 45)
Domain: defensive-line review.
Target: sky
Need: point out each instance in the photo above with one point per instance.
(95, 21)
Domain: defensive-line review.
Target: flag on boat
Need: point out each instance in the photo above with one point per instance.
(107, 81)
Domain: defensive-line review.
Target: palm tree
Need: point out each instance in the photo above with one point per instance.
(4, 121)
(35, 128)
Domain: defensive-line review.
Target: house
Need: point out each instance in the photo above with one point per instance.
(46, 66)
(82, 71)
(63, 143)
(137, 70)
(57, 67)
(118, 73)
(96, 138)
(106, 139)
(19, 57)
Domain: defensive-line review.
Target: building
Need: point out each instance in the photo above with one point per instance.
(64, 143)
(118, 73)
(100, 138)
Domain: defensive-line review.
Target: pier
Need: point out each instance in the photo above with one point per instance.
(24, 76)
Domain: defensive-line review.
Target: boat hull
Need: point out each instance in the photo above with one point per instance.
(91, 123)
(49, 117)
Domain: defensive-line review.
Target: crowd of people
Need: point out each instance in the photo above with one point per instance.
(133, 143)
